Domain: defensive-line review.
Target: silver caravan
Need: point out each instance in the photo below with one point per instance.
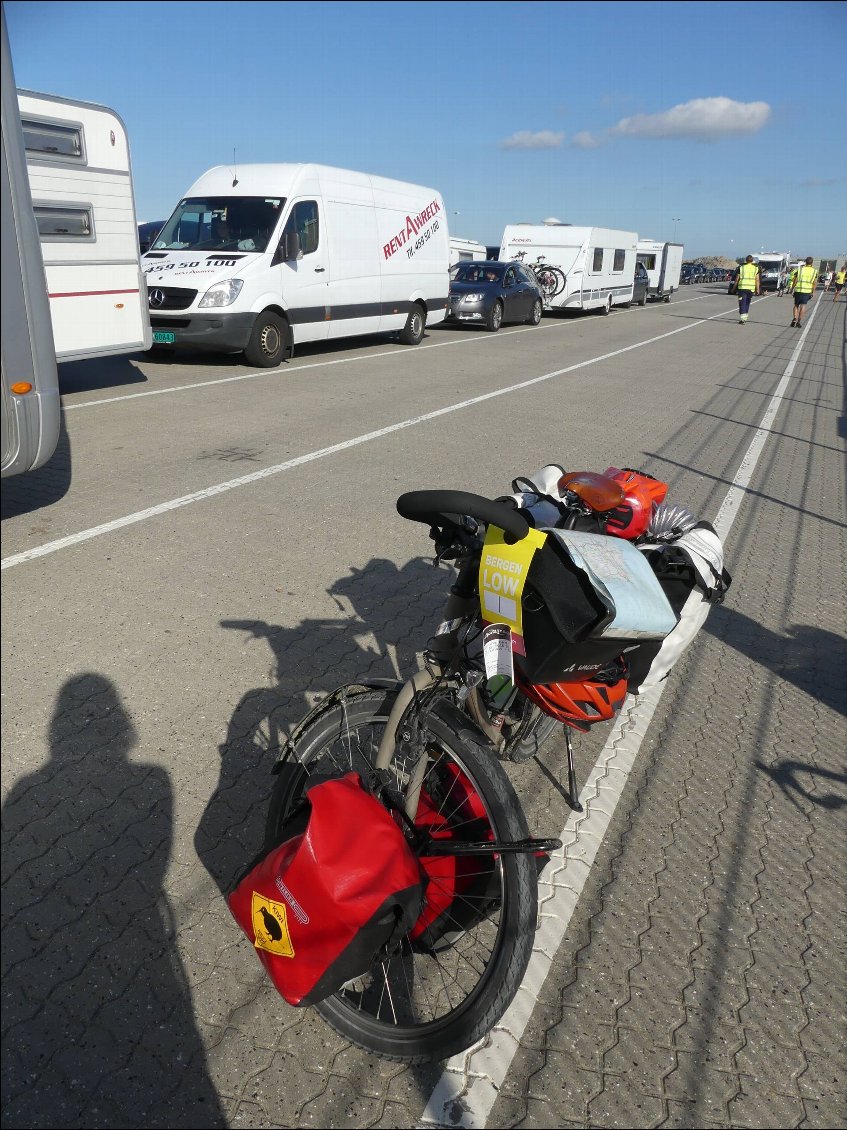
(663, 263)
(30, 380)
(81, 183)
(587, 268)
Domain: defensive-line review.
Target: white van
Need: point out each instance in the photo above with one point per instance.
(773, 268)
(663, 262)
(588, 268)
(261, 257)
(80, 179)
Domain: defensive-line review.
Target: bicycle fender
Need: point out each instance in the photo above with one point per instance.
(348, 691)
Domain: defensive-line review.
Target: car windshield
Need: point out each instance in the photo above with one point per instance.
(479, 273)
(220, 223)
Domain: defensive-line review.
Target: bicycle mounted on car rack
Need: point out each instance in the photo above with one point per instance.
(551, 279)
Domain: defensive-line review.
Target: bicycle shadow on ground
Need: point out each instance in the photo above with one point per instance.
(385, 617)
(98, 1026)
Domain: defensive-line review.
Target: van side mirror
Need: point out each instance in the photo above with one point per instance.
(288, 249)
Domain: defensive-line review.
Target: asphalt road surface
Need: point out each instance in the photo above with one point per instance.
(212, 548)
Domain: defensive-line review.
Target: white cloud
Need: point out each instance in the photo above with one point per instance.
(703, 119)
(526, 139)
(586, 140)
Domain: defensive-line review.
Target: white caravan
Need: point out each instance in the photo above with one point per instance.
(663, 262)
(773, 266)
(81, 183)
(593, 268)
(30, 396)
(462, 250)
(261, 257)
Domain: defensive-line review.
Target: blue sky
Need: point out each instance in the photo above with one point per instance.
(719, 124)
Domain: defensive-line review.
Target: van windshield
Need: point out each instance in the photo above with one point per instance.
(220, 223)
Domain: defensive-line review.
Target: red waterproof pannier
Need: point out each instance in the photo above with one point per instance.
(319, 907)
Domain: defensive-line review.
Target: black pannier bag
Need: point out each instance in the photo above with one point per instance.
(588, 598)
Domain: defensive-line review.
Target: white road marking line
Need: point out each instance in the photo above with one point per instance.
(291, 369)
(208, 492)
(472, 1080)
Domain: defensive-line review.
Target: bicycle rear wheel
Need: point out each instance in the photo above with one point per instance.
(456, 972)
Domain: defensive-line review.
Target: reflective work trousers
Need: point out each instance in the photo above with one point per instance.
(744, 297)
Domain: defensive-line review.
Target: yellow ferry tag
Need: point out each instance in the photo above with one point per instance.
(503, 571)
(270, 926)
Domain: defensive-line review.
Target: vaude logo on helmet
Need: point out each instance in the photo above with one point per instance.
(157, 298)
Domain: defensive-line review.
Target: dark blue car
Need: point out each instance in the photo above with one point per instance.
(488, 293)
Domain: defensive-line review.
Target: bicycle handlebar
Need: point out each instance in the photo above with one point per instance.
(438, 506)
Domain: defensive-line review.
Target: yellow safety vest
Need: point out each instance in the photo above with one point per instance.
(840, 277)
(805, 280)
(747, 276)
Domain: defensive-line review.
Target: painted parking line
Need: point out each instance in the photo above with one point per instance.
(150, 512)
(472, 1080)
(288, 370)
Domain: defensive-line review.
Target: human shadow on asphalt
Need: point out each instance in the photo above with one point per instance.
(33, 490)
(392, 614)
(98, 1028)
(812, 659)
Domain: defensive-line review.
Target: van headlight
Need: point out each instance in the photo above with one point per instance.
(222, 293)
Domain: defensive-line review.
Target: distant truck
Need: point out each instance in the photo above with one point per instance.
(462, 250)
(258, 259)
(592, 268)
(663, 262)
(78, 163)
(773, 268)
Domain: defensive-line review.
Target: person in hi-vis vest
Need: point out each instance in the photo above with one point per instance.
(747, 284)
(804, 287)
(840, 279)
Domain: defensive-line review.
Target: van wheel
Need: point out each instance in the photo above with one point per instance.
(607, 309)
(495, 317)
(413, 331)
(268, 342)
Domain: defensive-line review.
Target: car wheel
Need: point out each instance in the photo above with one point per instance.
(413, 331)
(268, 342)
(642, 301)
(535, 317)
(495, 317)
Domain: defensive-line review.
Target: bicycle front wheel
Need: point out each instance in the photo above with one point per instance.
(458, 969)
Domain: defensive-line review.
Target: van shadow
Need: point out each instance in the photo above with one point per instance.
(97, 1021)
(391, 612)
(307, 351)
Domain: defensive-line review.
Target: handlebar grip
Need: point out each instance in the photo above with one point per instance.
(436, 506)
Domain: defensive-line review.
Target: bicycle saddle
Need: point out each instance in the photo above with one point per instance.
(599, 492)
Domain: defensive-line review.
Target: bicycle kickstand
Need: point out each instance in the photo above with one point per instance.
(573, 795)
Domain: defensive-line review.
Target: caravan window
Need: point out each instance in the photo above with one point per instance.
(597, 265)
(304, 221)
(620, 259)
(64, 223)
(58, 142)
(649, 261)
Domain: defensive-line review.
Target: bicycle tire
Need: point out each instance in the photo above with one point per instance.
(452, 980)
(551, 280)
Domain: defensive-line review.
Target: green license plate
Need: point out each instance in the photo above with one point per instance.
(163, 338)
